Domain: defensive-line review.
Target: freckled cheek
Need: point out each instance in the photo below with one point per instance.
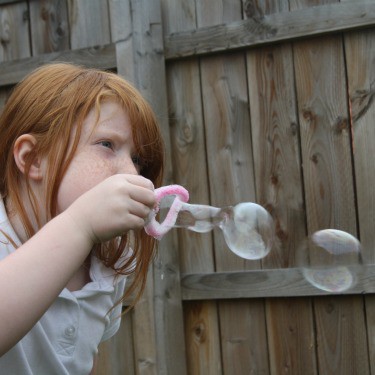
(81, 177)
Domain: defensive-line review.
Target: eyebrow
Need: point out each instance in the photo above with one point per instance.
(113, 132)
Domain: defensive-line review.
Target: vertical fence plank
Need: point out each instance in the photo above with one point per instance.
(190, 170)
(121, 35)
(229, 150)
(290, 336)
(326, 157)
(277, 163)
(150, 78)
(145, 345)
(360, 59)
(116, 356)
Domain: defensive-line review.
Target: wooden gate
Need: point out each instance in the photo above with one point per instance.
(268, 101)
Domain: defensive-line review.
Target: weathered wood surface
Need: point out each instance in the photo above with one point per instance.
(370, 316)
(277, 163)
(14, 32)
(3, 2)
(285, 282)
(121, 34)
(229, 149)
(190, 170)
(49, 26)
(89, 23)
(101, 57)
(279, 186)
(360, 62)
(291, 339)
(116, 356)
(150, 78)
(272, 28)
(328, 181)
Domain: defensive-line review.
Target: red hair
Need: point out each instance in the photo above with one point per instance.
(47, 104)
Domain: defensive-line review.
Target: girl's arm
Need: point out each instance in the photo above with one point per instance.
(34, 275)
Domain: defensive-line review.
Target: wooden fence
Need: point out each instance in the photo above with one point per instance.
(269, 101)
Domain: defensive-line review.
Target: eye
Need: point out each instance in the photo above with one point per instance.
(137, 160)
(106, 144)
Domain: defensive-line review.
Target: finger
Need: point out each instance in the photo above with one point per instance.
(144, 196)
(135, 221)
(139, 209)
(140, 181)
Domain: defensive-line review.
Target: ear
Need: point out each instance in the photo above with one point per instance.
(24, 150)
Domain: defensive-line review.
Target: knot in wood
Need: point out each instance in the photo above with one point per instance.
(200, 332)
(4, 30)
(341, 124)
(308, 115)
(187, 132)
(294, 128)
(44, 14)
(314, 158)
(252, 10)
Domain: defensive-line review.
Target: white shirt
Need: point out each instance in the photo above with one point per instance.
(65, 339)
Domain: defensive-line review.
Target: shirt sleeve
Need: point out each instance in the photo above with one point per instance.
(114, 317)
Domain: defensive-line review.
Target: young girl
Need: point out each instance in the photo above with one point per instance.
(80, 154)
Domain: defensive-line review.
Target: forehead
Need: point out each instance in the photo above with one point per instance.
(108, 116)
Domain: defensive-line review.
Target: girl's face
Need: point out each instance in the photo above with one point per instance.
(104, 149)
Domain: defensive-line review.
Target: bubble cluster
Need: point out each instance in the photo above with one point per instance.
(249, 232)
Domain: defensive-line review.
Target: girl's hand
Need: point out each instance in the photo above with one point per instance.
(118, 204)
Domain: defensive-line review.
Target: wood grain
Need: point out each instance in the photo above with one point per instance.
(231, 176)
(116, 355)
(291, 337)
(287, 282)
(92, 30)
(101, 57)
(273, 28)
(150, 78)
(360, 60)
(14, 32)
(189, 161)
(49, 24)
(328, 180)
(202, 338)
(279, 186)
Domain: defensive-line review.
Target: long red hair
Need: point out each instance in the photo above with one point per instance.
(48, 103)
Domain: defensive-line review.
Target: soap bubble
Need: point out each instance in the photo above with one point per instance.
(331, 253)
(248, 230)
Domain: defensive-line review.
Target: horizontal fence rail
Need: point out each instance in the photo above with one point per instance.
(101, 57)
(270, 29)
(288, 282)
